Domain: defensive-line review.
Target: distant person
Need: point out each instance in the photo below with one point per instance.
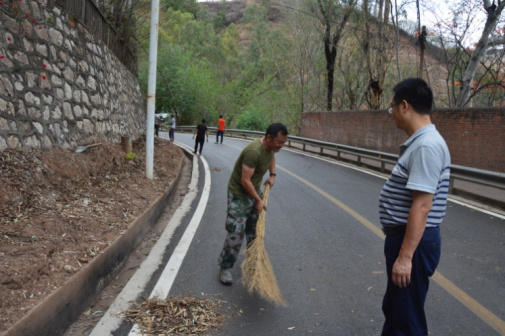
(157, 123)
(412, 204)
(200, 131)
(220, 129)
(245, 196)
(171, 131)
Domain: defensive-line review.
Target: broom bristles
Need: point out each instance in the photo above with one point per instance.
(257, 272)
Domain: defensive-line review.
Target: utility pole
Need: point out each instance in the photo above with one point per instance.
(151, 86)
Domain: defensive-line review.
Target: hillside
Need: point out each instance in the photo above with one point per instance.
(435, 71)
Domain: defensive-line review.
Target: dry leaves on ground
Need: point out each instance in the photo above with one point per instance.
(59, 209)
(176, 316)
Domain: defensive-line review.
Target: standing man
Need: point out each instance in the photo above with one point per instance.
(157, 123)
(412, 205)
(200, 131)
(171, 131)
(220, 129)
(245, 196)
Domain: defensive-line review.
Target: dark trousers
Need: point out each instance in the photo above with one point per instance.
(219, 133)
(156, 130)
(200, 142)
(171, 133)
(404, 307)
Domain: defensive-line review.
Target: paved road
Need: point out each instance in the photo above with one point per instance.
(325, 245)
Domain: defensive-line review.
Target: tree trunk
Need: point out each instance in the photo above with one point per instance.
(382, 62)
(422, 45)
(330, 44)
(376, 48)
(493, 14)
(367, 40)
(330, 52)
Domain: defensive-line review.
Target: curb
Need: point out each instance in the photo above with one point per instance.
(61, 308)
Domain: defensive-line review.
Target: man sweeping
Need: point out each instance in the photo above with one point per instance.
(245, 196)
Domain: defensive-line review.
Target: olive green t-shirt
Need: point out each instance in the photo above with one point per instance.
(254, 156)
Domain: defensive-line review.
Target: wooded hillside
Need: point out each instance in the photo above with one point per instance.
(258, 61)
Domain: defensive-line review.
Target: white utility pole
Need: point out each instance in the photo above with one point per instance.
(151, 87)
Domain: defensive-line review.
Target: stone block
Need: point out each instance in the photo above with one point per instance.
(6, 87)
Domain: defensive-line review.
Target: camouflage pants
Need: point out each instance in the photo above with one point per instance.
(241, 220)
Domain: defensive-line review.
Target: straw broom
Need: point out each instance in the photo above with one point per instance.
(257, 272)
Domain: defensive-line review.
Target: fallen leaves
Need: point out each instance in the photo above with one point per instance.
(60, 209)
(177, 316)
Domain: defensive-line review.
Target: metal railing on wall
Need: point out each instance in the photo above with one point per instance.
(90, 16)
(381, 161)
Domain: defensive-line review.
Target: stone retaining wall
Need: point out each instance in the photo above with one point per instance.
(59, 85)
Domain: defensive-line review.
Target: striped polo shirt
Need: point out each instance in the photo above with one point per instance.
(423, 165)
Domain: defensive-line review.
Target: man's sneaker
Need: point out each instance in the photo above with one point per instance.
(225, 276)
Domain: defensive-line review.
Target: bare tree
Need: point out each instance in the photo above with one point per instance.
(493, 11)
(377, 48)
(304, 54)
(333, 15)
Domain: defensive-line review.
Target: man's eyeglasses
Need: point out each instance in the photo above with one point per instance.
(390, 108)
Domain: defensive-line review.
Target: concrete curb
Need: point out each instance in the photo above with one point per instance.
(61, 308)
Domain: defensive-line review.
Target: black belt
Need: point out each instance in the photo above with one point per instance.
(393, 230)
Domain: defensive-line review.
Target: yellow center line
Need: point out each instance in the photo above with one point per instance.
(482, 312)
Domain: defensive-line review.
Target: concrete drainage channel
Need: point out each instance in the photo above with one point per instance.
(64, 306)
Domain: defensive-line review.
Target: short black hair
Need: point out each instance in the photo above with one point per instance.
(274, 129)
(203, 121)
(220, 116)
(416, 92)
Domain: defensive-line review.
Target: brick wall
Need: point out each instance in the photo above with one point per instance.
(475, 136)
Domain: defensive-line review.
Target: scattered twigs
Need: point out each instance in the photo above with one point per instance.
(178, 316)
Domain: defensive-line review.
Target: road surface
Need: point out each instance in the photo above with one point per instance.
(325, 245)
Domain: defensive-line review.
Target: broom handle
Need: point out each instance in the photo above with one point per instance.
(260, 227)
(265, 193)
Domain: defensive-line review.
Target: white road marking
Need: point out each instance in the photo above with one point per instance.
(113, 318)
(167, 278)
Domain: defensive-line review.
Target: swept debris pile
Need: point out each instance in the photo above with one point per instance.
(178, 316)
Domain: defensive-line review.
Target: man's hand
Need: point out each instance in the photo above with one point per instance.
(402, 270)
(271, 180)
(259, 205)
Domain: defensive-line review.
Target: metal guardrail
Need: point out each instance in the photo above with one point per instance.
(361, 156)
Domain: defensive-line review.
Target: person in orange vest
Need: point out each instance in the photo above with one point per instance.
(220, 129)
